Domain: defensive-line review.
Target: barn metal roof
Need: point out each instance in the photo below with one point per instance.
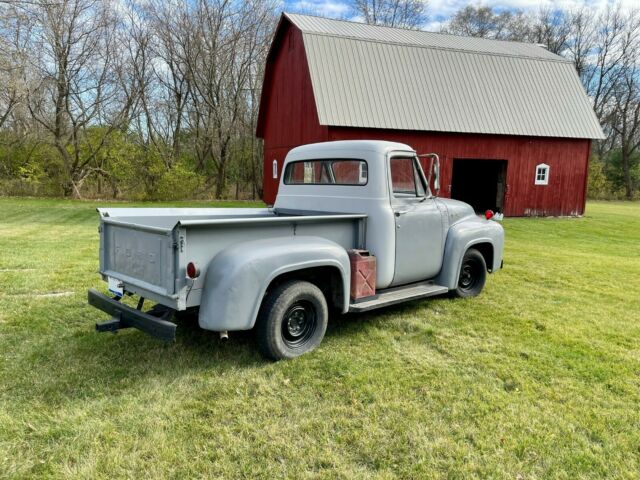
(380, 77)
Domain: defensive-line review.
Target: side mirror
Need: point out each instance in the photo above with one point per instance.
(436, 174)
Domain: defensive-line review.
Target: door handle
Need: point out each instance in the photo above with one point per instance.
(400, 212)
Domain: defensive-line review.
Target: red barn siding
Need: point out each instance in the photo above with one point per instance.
(290, 115)
(567, 158)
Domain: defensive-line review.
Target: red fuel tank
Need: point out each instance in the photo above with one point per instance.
(363, 274)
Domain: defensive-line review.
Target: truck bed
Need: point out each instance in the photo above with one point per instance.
(147, 249)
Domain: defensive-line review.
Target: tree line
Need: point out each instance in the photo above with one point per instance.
(159, 99)
(154, 99)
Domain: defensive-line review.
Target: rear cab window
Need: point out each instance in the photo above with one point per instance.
(327, 172)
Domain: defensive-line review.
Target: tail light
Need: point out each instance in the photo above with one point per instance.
(192, 270)
(488, 214)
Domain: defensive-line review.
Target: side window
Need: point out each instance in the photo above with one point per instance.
(542, 174)
(404, 178)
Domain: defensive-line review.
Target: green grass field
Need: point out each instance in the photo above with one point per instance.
(539, 377)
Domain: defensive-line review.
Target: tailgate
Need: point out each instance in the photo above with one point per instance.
(138, 255)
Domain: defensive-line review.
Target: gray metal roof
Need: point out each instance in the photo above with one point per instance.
(380, 77)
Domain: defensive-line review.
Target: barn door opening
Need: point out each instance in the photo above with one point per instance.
(480, 183)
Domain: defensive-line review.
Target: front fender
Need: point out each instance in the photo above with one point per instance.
(237, 278)
(463, 235)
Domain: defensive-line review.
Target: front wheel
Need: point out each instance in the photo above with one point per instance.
(292, 320)
(473, 275)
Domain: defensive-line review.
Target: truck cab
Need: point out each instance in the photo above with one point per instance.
(282, 270)
(407, 225)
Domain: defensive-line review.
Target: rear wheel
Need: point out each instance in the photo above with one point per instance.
(292, 320)
(472, 276)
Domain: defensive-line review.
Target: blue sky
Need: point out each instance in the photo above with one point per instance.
(438, 10)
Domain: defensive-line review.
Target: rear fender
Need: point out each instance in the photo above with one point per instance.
(237, 278)
(464, 235)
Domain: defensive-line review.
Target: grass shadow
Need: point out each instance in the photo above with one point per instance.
(84, 363)
(353, 322)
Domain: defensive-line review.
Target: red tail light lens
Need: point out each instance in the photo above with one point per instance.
(488, 214)
(192, 270)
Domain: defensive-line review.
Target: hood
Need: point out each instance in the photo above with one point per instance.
(456, 209)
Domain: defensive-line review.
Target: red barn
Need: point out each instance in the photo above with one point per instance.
(510, 121)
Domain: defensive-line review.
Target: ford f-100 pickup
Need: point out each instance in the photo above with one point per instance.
(355, 226)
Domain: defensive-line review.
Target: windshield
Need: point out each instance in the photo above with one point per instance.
(407, 178)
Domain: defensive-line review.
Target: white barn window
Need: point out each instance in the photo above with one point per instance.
(542, 174)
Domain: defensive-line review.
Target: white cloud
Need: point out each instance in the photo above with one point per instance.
(324, 8)
(444, 8)
(439, 11)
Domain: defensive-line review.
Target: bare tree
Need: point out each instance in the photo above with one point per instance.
(254, 87)
(606, 55)
(484, 22)
(171, 26)
(78, 88)
(582, 38)
(172, 80)
(392, 13)
(15, 30)
(552, 28)
(226, 44)
(625, 121)
(624, 95)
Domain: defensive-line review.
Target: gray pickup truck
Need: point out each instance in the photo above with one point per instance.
(282, 270)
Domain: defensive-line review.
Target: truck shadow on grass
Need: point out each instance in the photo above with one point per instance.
(78, 362)
(240, 350)
(81, 363)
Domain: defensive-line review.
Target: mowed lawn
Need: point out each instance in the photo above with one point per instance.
(539, 377)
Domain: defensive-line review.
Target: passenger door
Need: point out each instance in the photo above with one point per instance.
(418, 223)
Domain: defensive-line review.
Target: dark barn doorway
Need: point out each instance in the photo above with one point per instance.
(480, 183)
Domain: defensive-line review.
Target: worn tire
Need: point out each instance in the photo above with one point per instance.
(292, 320)
(472, 275)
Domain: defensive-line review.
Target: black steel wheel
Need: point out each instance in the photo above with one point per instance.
(473, 275)
(292, 320)
(299, 324)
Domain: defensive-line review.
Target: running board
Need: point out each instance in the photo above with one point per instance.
(396, 295)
